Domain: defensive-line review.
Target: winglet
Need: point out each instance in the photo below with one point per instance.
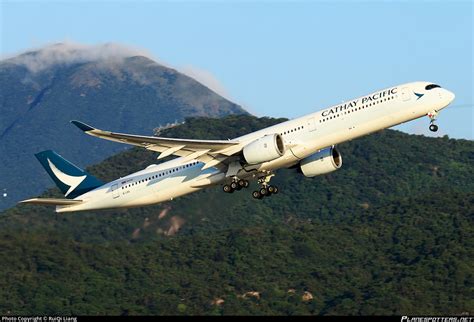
(83, 126)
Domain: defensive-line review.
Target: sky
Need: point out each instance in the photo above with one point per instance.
(276, 58)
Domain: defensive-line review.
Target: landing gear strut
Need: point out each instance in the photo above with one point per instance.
(266, 189)
(432, 115)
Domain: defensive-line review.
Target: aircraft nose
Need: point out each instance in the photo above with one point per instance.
(450, 96)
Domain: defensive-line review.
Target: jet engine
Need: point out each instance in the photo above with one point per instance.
(322, 162)
(267, 148)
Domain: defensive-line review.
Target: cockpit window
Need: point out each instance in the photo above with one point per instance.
(431, 86)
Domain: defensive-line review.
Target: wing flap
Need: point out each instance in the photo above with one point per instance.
(170, 151)
(52, 201)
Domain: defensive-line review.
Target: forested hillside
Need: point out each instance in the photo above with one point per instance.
(390, 233)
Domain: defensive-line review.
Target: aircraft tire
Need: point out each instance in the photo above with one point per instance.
(228, 189)
(256, 194)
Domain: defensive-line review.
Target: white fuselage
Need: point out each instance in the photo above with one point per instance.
(302, 136)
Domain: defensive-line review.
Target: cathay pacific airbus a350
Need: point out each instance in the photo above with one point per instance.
(307, 142)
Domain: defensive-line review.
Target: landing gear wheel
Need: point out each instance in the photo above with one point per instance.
(263, 191)
(234, 185)
(228, 189)
(433, 127)
(256, 195)
(272, 189)
(243, 183)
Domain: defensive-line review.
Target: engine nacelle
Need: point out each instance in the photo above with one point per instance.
(321, 162)
(267, 148)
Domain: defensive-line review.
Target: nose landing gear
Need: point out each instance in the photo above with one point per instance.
(432, 115)
(433, 127)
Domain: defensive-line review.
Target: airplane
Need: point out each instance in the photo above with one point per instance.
(308, 143)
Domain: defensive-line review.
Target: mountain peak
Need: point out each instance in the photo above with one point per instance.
(68, 53)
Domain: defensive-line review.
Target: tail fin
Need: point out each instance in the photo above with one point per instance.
(70, 179)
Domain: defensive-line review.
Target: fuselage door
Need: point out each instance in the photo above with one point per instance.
(115, 191)
(311, 124)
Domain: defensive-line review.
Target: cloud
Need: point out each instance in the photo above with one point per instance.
(206, 78)
(70, 53)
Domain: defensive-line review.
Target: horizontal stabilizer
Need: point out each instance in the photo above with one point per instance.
(52, 201)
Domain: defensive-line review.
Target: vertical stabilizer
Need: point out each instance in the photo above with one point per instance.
(70, 179)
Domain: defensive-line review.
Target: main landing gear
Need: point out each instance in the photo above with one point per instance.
(265, 192)
(432, 115)
(236, 184)
(266, 189)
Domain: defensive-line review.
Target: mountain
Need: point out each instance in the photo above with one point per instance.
(391, 232)
(41, 91)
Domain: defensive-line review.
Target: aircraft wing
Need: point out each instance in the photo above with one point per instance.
(211, 152)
